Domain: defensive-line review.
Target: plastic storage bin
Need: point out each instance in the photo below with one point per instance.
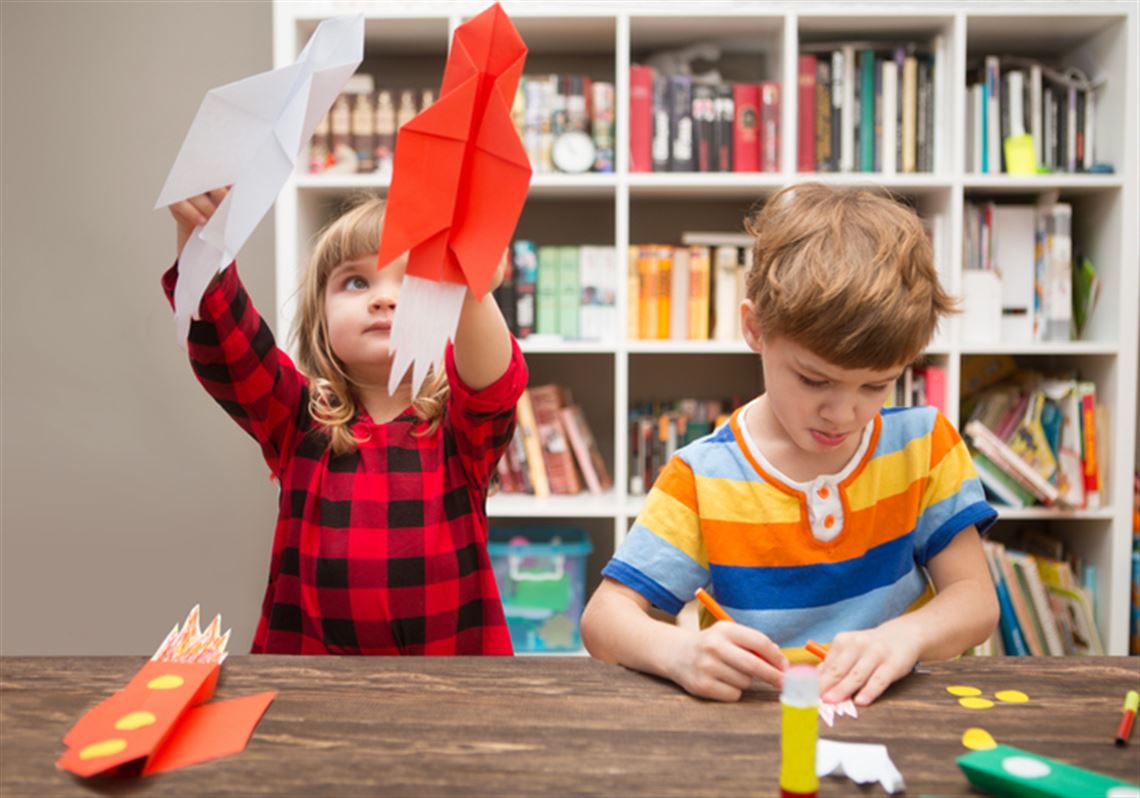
(541, 573)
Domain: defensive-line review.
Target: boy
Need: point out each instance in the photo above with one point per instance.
(813, 513)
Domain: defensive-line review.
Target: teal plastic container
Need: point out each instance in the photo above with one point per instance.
(541, 573)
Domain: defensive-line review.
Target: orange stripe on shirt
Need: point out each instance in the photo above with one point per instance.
(791, 544)
(676, 479)
(943, 438)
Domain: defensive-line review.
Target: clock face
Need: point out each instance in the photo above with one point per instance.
(573, 152)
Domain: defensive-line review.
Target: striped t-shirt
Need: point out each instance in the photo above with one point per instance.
(717, 518)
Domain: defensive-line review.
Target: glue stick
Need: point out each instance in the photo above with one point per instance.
(799, 706)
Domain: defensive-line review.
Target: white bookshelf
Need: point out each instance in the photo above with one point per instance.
(407, 43)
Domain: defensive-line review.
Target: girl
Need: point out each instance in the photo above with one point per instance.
(380, 546)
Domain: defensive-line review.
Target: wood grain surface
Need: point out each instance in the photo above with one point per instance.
(561, 726)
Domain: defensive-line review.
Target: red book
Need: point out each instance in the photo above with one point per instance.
(936, 387)
(640, 118)
(769, 126)
(746, 127)
(805, 116)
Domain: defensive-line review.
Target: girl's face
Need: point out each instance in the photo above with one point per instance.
(360, 303)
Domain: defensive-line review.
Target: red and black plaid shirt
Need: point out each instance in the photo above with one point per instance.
(380, 551)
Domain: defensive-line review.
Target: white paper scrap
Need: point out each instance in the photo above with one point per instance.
(248, 135)
(863, 763)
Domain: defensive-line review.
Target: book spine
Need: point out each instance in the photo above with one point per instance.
(681, 150)
(769, 126)
(746, 128)
(805, 115)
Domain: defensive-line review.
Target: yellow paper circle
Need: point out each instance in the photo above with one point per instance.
(135, 720)
(978, 739)
(976, 703)
(104, 748)
(961, 690)
(167, 682)
(1011, 696)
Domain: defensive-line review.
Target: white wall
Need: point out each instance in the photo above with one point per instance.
(127, 495)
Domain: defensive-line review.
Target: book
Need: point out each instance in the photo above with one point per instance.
(726, 317)
(597, 313)
(700, 271)
(532, 444)
(806, 114)
(586, 453)
(996, 449)
(746, 127)
(1013, 640)
(769, 126)
(679, 295)
(556, 455)
(569, 291)
(547, 295)
(681, 139)
(1040, 601)
(824, 156)
(525, 267)
(633, 294)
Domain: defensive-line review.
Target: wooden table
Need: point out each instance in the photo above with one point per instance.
(554, 726)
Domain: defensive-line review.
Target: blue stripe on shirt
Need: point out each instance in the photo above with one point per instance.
(799, 586)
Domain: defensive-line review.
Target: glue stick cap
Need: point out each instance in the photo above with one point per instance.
(801, 686)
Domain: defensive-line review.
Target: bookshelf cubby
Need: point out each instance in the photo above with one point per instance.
(406, 44)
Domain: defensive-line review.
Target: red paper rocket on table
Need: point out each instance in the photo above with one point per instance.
(159, 721)
(459, 182)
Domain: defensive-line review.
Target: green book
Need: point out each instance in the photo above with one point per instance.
(569, 292)
(546, 292)
(1008, 772)
(867, 110)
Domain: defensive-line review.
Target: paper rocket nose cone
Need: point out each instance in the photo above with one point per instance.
(492, 40)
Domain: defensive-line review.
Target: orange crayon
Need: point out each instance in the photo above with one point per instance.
(710, 604)
(816, 648)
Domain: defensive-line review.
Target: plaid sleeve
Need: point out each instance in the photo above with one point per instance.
(235, 357)
(482, 422)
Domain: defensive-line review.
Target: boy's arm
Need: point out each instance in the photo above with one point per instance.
(963, 613)
(719, 662)
(482, 340)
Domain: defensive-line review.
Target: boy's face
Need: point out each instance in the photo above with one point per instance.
(821, 407)
(360, 303)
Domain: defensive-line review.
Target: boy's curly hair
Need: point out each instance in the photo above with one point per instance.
(846, 272)
(332, 403)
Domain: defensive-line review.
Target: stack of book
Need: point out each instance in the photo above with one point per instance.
(658, 429)
(919, 386)
(1010, 97)
(547, 106)
(680, 124)
(1021, 282)
(1034, 439)
(865, 107)
(566, 292)
(1045, 611)
(358, 134)
(690, 292)
(553, 450)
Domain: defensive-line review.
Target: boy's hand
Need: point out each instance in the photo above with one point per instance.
(194, 211)
(721, 661)
(864, 664)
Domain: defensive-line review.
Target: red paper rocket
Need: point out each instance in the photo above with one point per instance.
(459, 182)
(155, 723)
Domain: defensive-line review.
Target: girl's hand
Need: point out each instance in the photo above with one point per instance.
(864, 664)
(721, 661)
(194, 211)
